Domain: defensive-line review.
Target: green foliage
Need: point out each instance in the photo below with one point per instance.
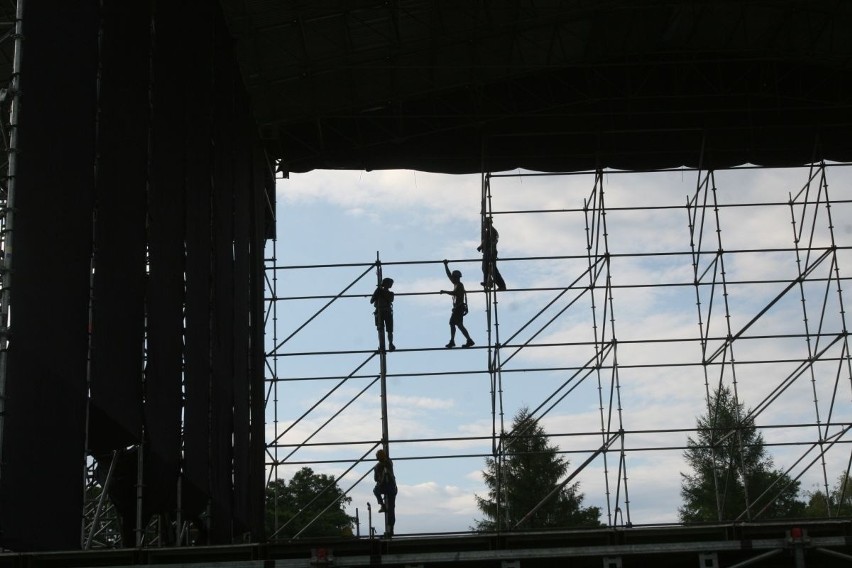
(531, 470)
(728, 459)
(838, 503)
(293, 505)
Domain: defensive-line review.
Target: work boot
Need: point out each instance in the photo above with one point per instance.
(469, 343)
(451, 343)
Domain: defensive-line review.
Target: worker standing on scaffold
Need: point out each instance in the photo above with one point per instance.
(488, 247)
(459, 306)
(383, 300)
(385, 489)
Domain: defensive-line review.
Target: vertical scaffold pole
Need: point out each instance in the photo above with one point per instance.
(271, 286)
(703, 211)
(606, 346)
(493, 334)
(383, 367)
(6, 237)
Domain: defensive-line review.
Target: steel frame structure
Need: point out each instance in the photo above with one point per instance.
(601, 366)
(817, 285)
(10, 100)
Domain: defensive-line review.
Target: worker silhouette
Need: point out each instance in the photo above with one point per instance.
(385, 489)
(382, 298)
(459, 306)
(488, 246)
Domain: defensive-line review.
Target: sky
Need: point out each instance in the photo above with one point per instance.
(333, 225)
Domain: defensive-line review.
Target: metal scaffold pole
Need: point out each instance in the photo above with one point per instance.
(383, 366)
(606, 344)
(493, 335)
(381, 326)
(8, 215)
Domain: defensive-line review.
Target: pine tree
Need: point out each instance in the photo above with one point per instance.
(531, 470)
(729, 445)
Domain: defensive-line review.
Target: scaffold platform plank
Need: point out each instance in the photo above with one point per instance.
(823, 543)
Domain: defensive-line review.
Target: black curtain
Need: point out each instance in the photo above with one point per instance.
(198, 369)
(157, 175)
(222, 403)
(262, 181)
(41, 487)
(163, 375)
(242, 320)
(118, 310)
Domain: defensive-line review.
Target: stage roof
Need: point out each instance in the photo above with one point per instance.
(460, 86)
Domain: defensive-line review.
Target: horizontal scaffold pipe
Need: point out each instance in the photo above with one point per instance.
(740, 338)
(532, 370)
(609, 209)
(684, 169)
(610, 255)
(594, 433)
(576, 451)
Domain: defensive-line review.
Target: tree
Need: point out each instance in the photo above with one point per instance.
(531, 470)
(838, 503)
(290, 507)
(728, 459)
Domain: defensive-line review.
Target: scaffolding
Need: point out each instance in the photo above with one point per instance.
(719, 293)
(813, 360)
(10, 102)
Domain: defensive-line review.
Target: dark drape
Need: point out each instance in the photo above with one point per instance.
(163, 374)
(118, 309)
(199, 117)
(262, 181)
(139, 194)
(223, 282)
(241, 329)
(43, 442)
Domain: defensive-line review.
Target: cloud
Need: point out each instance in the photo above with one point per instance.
(436, 199)
(408, 403)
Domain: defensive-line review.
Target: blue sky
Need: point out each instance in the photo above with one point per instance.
(348, 217)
